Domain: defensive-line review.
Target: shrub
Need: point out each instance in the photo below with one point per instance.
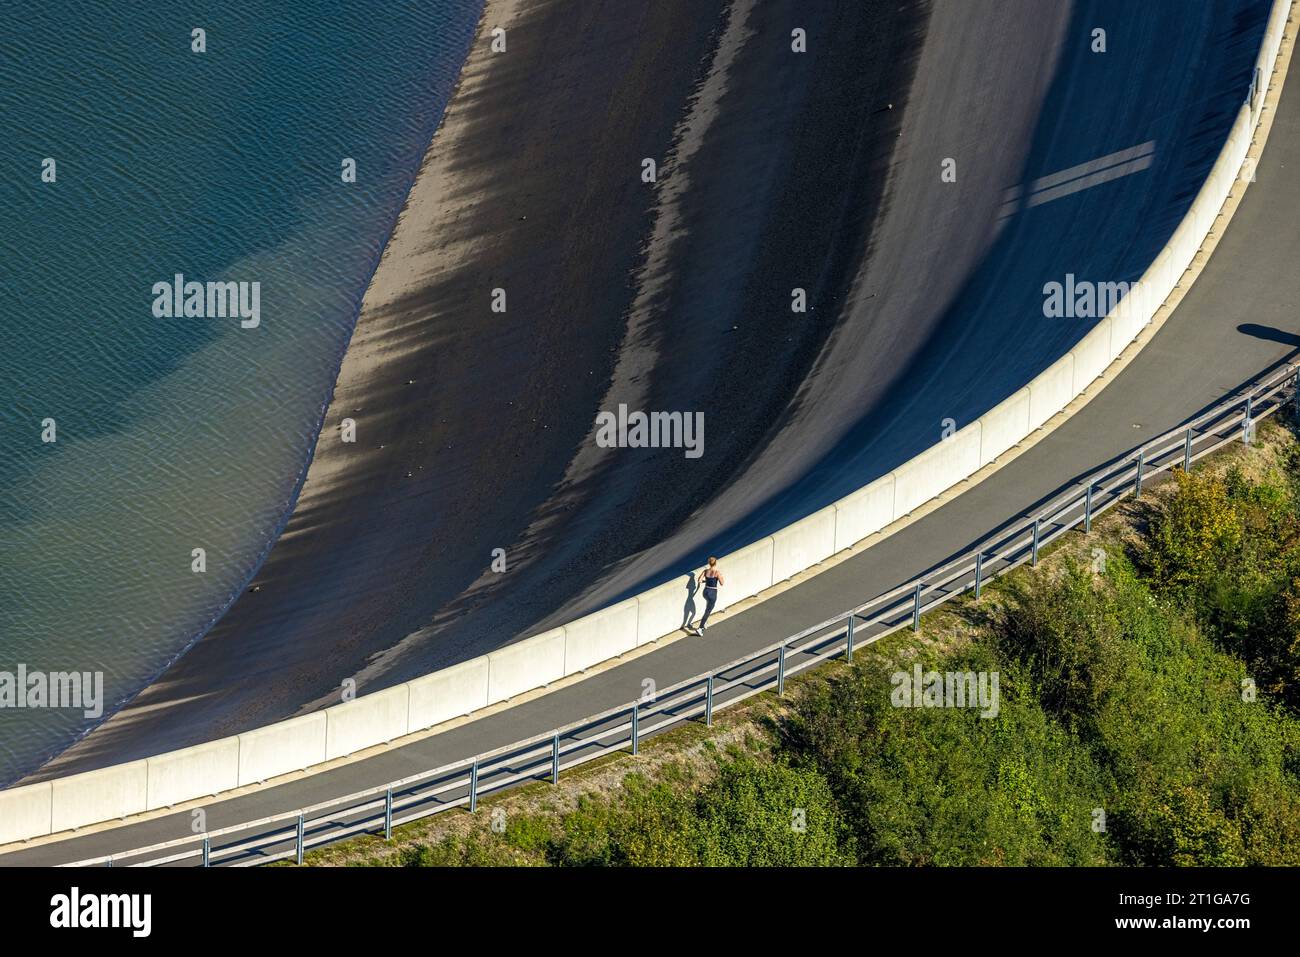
(1196, 533)
(1071, 636)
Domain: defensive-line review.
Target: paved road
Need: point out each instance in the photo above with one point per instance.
(1240, 317)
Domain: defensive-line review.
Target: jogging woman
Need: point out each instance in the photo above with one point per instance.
(712, 579)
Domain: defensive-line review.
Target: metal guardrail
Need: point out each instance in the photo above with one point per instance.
(463, 783)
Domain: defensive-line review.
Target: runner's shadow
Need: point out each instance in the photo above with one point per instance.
(1270, 333)
(688, 610)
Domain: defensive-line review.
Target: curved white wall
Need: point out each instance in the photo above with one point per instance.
(300, 743)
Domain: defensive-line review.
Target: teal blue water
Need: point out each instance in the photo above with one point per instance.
(173, 434)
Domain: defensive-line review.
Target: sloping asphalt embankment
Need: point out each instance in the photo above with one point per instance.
(468, 420)
(879, 509)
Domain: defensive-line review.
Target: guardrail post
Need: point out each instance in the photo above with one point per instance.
(1087, 510)
(473, 787)
(1187, 452)
(302, 830)
(848, 647)
(1137, 485)
(207, 851)
(1033, 554)
(780, 670)
(916, 607)
(555, 759)
(979, 574)
(1246, 423)
(708, 702)
(636, 716)
(388, 814)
